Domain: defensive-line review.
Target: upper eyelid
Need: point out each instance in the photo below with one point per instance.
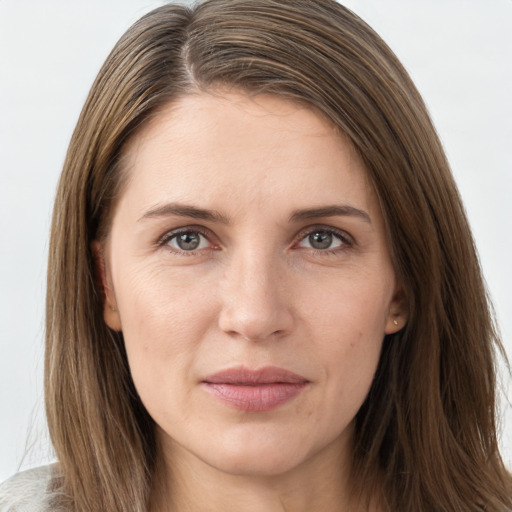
(322, 227)
(172, 233)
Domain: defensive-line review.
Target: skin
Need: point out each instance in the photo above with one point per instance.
(257, 291)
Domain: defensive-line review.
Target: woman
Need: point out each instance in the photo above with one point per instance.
(263, 292)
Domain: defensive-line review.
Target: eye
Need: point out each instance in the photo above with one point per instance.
(186, 241)
(324, 239)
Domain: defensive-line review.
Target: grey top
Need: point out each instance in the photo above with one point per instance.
(28, 491)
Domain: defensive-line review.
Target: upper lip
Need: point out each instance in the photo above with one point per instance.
(242, 375)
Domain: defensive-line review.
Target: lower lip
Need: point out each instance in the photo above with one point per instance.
(256, 398)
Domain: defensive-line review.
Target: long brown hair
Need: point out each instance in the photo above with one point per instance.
(426, 434)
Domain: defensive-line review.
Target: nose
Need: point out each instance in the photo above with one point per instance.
(256, 296)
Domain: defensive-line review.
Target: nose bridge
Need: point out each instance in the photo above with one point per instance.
(254, 299)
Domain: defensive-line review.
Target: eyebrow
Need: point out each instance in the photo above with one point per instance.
(183, 210)
(329, 211)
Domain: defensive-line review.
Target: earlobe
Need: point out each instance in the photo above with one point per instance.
(104, 286)
(394, 324)
(112, 318)
(398, 312)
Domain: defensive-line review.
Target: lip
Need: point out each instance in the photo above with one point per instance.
(255, 390)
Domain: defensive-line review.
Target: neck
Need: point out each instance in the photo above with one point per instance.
(184, 483)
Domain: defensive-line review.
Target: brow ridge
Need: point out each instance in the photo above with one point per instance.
(183, 210)
(330, 211)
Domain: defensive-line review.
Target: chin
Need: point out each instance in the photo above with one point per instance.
(265, 452)
(256, 462)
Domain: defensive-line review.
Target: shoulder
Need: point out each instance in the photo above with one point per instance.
(28, 491)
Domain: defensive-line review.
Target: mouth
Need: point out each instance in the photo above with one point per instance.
(255, 390)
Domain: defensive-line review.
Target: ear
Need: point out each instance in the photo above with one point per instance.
(398, 313)
(104, 286)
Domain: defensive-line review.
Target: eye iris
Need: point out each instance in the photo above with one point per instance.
(188, 241)
(320, 239)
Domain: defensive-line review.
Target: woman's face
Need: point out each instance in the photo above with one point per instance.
(248, 270)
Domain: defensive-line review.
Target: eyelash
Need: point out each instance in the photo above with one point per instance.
(171, 235)
(346, 240)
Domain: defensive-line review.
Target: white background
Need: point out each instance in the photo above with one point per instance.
(459, 52)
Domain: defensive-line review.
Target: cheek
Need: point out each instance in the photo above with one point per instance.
(163, 302)
(351, 310)
(351, 359)
(163, 322)
(349, 330)
(350, 370)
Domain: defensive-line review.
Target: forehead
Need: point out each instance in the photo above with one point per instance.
(233, 146)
